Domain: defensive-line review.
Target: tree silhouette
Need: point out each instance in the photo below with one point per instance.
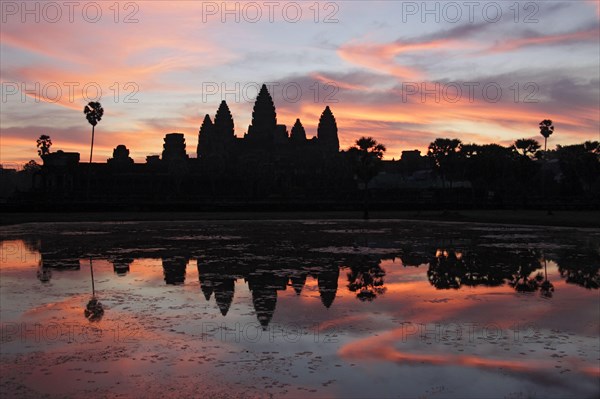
(43, 145)
(580, 166)
(488, 167)
(525, 169)
(367, 154)
(446, 270)
(366, 279)
(527, 262)
(526, 147)
(444, 154)
(546, 129)
(93, 113)
(592, 146)
(581, 267)
(31, 166)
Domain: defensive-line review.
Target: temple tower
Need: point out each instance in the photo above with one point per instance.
(120, 156)
(264, 117)
(224, 122)
(327, 132)
(298, 134)
(205, 136)
(174, 148)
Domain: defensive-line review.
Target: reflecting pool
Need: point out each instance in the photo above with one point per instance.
(299, 309)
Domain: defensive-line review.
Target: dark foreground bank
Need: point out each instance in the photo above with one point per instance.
(525, 217)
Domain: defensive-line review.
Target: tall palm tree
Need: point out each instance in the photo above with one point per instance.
(546, 129)
(93, 113)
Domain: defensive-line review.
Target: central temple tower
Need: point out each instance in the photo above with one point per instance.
(264, 127)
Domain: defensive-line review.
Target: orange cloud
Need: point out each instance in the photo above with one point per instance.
(515, 44)
(381, 57)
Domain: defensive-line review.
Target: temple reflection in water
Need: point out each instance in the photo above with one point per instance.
(307, 301)
(267, 271)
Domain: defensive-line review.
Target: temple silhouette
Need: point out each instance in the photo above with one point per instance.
(217, 141)
(268, 162)
(272, 168)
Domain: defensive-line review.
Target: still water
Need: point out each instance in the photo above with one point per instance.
(299, 309)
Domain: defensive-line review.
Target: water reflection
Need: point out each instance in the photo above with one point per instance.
(366, 278)
(174, 269)
(480, 303)
(44, 274)
(121, 266)
(94, 310)
(447, 267)
(546, 288)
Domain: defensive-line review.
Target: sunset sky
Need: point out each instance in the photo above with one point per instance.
(369, 60)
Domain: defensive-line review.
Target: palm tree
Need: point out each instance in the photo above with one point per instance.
(43, 144)
(93, 113)
(546, 129)
(367, 156)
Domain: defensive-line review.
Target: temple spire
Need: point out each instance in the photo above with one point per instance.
(327, 132)
(224, 292)
(204, 136)
(264, 117)
(224, 121)
(298, 133)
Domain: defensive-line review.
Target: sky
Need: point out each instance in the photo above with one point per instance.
(402, 72)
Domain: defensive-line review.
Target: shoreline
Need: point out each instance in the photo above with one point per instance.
(584, 219)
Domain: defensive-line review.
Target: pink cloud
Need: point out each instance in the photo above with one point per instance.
(382, 57)
(590, 35)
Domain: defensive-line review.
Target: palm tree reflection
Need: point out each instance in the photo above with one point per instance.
(94, 309)
(546, 288)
